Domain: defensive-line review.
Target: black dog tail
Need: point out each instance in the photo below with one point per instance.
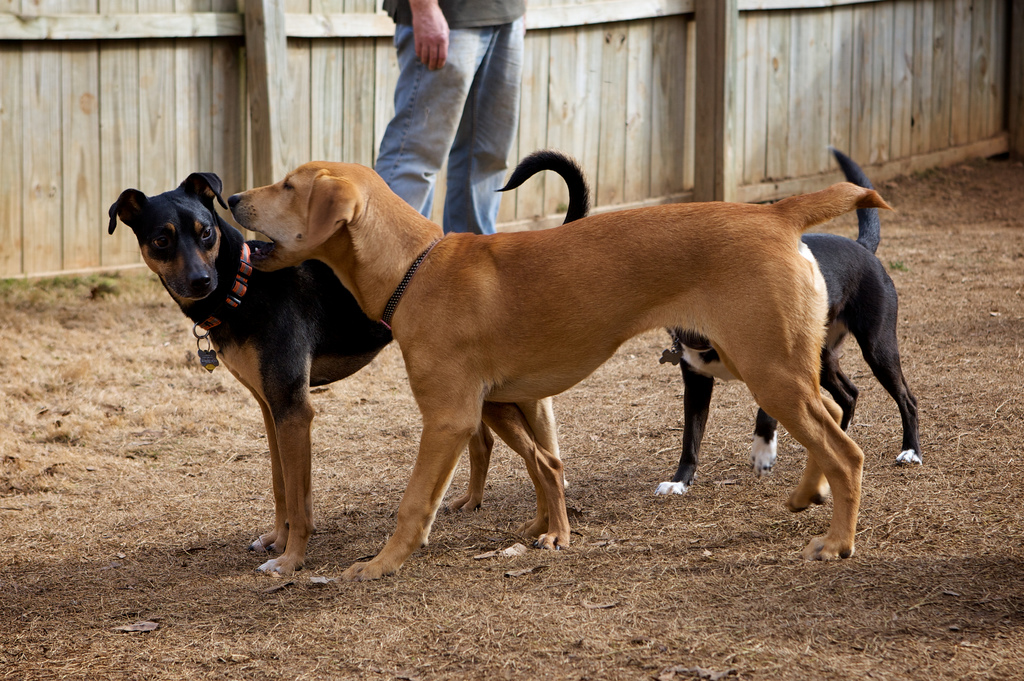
(549, 159)
(869, 227)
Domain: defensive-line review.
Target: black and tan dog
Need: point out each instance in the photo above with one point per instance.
(516, 317)
(277, 332)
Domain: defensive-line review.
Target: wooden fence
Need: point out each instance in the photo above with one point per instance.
(661, 100)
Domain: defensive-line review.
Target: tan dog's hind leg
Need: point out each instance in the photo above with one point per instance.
(513, 425)
(480, 446)
(540, 416)
(830, 452)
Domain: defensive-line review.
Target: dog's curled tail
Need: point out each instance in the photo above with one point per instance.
(808, 210)
(549, 159)
(869, 227)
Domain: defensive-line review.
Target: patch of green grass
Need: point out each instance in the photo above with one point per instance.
(898, 266)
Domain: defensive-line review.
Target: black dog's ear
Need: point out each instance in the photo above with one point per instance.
(127, 207)
(206, 186)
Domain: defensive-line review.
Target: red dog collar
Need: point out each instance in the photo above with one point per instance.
(237, 291)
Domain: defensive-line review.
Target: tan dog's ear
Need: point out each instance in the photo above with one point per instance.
(333, 203)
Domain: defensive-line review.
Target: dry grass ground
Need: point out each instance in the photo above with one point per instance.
(131, 482)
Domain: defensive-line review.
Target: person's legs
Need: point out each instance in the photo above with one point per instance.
(428, 108)
(479, 154)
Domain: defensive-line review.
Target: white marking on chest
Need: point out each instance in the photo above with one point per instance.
(713, 369)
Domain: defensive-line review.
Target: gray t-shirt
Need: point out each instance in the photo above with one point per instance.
(464, 13)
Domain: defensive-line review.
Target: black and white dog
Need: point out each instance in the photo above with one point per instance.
(861, 300)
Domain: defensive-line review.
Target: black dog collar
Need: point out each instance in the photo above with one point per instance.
(389, 309)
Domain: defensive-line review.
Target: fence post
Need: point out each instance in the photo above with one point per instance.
(266, 49)
(1016, 71)
(714, 171)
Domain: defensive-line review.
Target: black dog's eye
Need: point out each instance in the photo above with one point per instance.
(207, 234)
(161, 242)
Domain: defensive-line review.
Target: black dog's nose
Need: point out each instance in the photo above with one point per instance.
(200, 284)
(233, 200)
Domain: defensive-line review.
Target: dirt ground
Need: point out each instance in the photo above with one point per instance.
(132, 481)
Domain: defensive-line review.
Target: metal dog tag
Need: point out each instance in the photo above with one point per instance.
(671, 356)
(208, 359)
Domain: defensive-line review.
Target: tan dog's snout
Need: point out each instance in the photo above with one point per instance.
(299, 213)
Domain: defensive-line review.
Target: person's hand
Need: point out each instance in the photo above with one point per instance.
(430, 33)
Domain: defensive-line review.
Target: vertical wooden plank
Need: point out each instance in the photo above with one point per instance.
(359, 66)
(638, 112)
(533, 112)
(755, 107)
(942, 74)
(902, 79)
(960, 93)
(715, 177)
(80, 147)
(11, 140)
(157, 109)
(41, 160)
(296, 114)
(10, 151)
(863, 67)
(809, 87)
(228, 120)
(1016, 80)
(119, 131)
(841, 99)
(587, 130)
(611, 177)
(384, 88)
(778, 95)
(881, 83)
(360, 79)
(981, 71)
(327, 92)
(192, 97)
(670, 75)
(924, 25)
(561, 66)
(327, 99)
(266, 71)
(740, 98)
(690, 107)
(999, 53)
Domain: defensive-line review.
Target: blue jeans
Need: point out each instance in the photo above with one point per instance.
(468, 109)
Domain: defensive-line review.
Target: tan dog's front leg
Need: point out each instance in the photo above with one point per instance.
(440, 447)
(480, 446)
(294, 461)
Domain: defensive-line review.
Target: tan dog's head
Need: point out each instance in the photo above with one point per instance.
(301, 212)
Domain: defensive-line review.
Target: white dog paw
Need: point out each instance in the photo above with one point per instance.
(763, 454)
(672, 488)
(908, 457)
(277, 567)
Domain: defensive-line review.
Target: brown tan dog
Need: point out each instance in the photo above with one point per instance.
(509, 319)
